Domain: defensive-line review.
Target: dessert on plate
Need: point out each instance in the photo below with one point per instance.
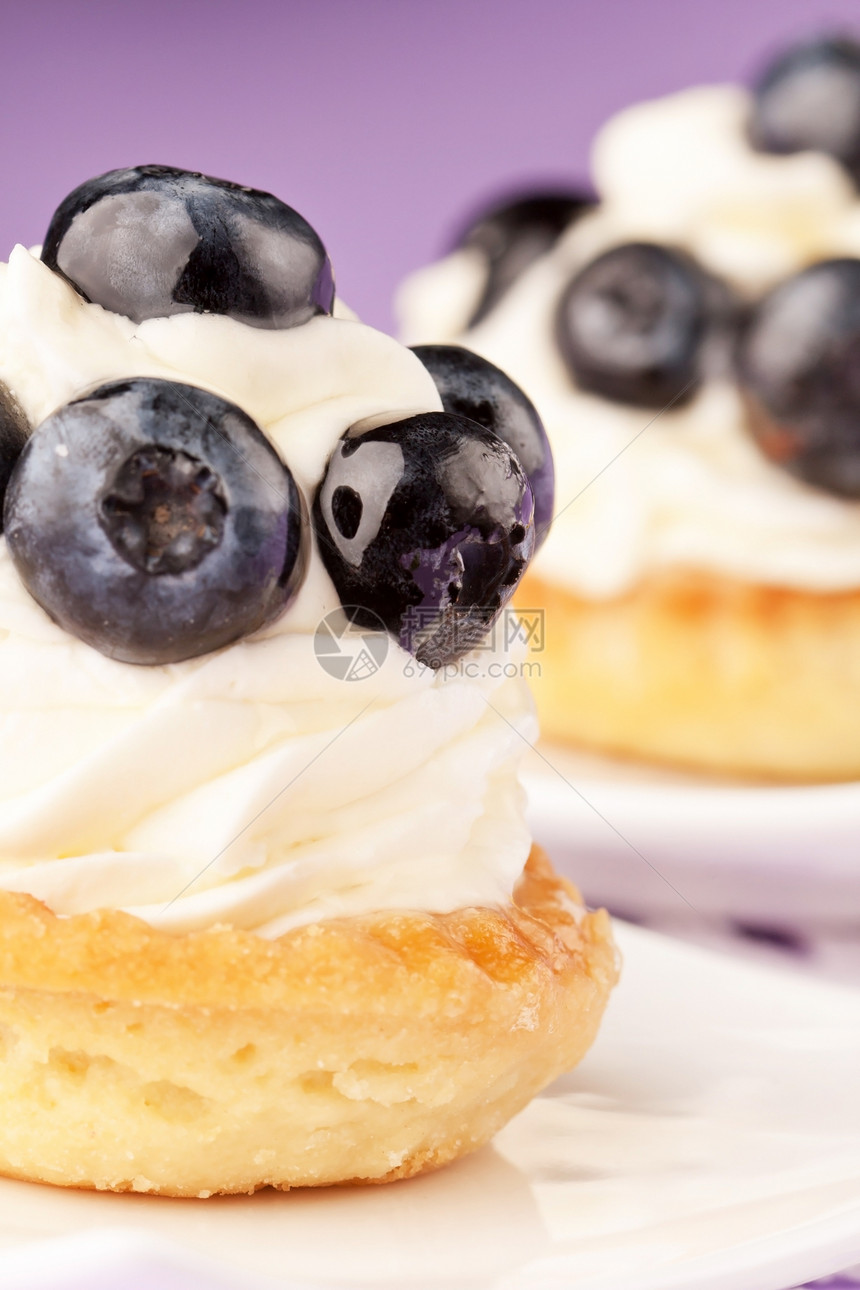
(269, 911)
(690, 338)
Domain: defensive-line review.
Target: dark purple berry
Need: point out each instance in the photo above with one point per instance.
(155, 521)
(153, 241)
(513, 233)
(13, 435)
(798, 364)
(809, 99)
(630, 325)
(426, 524)
(473, 387)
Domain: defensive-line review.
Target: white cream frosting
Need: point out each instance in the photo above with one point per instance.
(248, 786)
(637, 492)
(680, 169)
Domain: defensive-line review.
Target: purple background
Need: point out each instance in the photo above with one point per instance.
(382, 121)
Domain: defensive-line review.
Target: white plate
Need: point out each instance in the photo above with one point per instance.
(646, 841)
(711, 1139)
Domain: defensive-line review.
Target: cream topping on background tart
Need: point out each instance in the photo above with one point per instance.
(697, 328)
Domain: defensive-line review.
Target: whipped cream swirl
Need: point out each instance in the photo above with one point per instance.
(247, 787)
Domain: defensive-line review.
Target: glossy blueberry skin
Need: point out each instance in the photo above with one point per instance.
(155, 521)
(427, 524)
(630, 325)
(513, 233)
(809, 98)
(153, 241)
(473, 387)
(798, 365)
(13, 436)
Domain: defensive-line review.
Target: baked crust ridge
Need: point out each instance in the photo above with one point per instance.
(360, 1049)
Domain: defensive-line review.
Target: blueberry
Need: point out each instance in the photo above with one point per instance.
(798, 364)
(630, 325)
(13, 436)
(427, 524)
(809, 98)
(473, 387)
(152, 241)
(155, 521)
(513, 233)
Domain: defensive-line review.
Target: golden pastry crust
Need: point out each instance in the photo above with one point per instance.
(360, 1049)
(702, 672)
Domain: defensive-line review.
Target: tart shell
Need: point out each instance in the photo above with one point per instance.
(351, 1050)
(705, 673)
